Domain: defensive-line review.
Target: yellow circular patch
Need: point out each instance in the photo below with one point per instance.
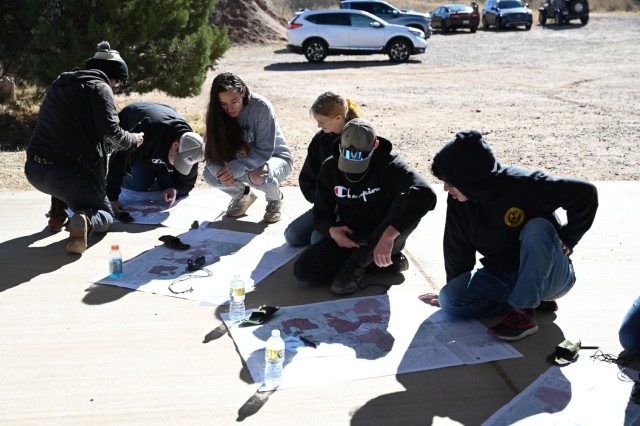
(514, 217)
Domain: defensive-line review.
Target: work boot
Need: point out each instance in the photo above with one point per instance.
(272, 213)
(348, 277)
(239, 205)
(57, 215)
(78, 230)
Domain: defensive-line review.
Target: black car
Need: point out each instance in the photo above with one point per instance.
(562, 11)
(506, 14)
(454, 16)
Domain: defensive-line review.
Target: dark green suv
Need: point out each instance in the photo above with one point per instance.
(562, 11)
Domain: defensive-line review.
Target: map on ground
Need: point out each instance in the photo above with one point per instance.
(148, 208)
(588, 392)
(366, 337)
(162, 270)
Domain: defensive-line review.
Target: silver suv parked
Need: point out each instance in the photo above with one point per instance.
(392, 14)
(318, 33)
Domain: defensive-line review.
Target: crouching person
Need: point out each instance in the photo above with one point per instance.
(379, 201)
(506, 214)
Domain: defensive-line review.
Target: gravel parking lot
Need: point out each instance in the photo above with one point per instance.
(562, 99)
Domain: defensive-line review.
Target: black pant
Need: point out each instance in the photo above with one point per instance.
(322, 261)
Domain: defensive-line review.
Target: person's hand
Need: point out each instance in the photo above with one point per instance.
(340, 235)
(169, 195)
(116, 206)
(225, 176)
(565, 248)
(382, 252)
(139, 137)
(430, 299)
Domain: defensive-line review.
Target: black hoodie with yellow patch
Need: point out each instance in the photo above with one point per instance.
(501, 201)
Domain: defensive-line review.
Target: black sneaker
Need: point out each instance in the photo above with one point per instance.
(348, 277)
(547, 306)
(518, 323)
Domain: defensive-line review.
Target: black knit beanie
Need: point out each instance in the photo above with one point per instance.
(109, 62)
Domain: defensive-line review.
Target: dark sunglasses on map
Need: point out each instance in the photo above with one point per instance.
(352, 154)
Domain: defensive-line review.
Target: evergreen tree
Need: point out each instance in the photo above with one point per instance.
(168, 45)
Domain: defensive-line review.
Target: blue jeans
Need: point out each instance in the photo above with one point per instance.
(630, 330)
(278, 171)
(545, 273)
(72, 187)
(301, 232)
(144, 174)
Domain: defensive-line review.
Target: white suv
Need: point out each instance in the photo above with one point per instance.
(318, 33)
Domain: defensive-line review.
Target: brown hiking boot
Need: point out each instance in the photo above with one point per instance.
(78, 230)
(57, 215)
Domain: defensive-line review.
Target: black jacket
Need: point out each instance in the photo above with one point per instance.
(501, 201)
(319, 150)
(78, 123)
(389, 193)
(162, 125)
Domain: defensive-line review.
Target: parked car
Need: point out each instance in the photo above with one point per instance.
(506, 14)
(454, 16)
(392, 14)
(562, 11)
(318, 33)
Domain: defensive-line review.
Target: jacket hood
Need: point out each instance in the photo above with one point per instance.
(467, 163)
(81, 76)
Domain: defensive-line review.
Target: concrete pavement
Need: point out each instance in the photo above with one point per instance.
(76, 353)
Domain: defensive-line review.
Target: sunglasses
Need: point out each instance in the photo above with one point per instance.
(351, 153)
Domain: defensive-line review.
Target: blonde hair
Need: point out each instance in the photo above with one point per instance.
(331, 104)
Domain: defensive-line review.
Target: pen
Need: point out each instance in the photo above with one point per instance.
(308, 342)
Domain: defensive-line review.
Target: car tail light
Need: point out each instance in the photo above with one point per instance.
(293, 24)
(475, 15)
(454, 16)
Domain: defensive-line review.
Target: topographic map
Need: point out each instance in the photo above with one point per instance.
(357, 338)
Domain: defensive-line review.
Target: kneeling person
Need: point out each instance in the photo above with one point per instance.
(169, 158)
(379, 201)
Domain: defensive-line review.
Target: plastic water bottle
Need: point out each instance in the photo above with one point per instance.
(115, 262)
(236, 299)
(273, 360)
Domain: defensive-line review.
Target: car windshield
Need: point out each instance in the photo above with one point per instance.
(509, 4)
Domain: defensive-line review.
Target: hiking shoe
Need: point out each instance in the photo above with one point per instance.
(272, 213)
(240, 204)
(515, 325)
(78, 229)
(57, 215)
(547, 306)
(348, 277)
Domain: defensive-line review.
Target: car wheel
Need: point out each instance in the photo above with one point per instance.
(542, 18)
(399, 50)
(315, 50)
(473, 29)
(485, 25)
(558, 18)
(444, 28)
(498, 24)
(584, 19)
(527, 27)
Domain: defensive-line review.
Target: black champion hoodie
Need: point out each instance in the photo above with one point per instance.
(501, 201)
(390, 192)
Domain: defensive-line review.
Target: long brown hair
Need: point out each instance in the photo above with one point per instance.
(223, 135)
(331, 104)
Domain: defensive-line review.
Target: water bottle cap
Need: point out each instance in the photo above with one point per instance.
(115, 246)
(275, 333)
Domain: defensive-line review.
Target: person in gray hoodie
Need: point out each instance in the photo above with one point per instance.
(244, 147)
(507, 215)
(76, 129)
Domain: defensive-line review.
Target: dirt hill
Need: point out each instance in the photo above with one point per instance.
(250, 21)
